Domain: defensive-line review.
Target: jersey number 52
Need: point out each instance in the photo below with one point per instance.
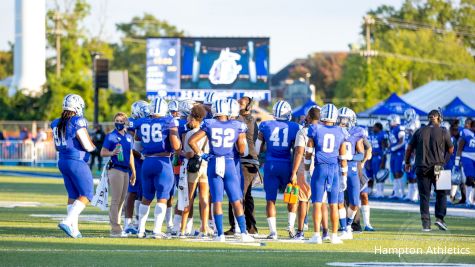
(222, 137)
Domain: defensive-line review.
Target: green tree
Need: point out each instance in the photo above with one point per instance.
(408, 57)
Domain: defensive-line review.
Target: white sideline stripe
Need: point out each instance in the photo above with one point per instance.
(407, 207)
(182, 250)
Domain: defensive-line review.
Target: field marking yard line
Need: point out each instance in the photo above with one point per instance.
(211, 250)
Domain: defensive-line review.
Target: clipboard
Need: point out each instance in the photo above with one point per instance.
(445, 180)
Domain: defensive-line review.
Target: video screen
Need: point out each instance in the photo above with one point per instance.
(225, 63)
(163, 65)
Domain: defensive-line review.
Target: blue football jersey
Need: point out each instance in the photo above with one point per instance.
(155, 134)
(131, 127)
(354, 135)
(469, 137)
(394, 137)
(279, 137)
(327, 140)
(181, 126)
(223, 136)
(68, 145)
(377, 140)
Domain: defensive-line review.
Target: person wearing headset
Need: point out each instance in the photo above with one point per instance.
(433, 149)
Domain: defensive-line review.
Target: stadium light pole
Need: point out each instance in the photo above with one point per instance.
(95, 55)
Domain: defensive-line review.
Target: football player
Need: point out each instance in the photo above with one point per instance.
(302, 176)
(73, 143)
(173, 108)
(157, 136)
(466, 156)
(412, 124)
(327, 141)
(234, 109)
(279, 136)
(354, 154)
(223, 134)
(174, 227)
(378, 140)
(208, 102)
(397, 144)
(140, 109)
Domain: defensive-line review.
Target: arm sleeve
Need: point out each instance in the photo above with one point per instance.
(300, 139)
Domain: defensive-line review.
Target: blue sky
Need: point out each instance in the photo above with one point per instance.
(296, 27)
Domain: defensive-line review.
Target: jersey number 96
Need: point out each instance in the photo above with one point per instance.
(151, 133)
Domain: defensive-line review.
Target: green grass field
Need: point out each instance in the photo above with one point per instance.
(29, 237)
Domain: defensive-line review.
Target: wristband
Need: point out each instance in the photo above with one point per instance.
(307, 161)
(309, 149)
(344, 169)
(457, 161)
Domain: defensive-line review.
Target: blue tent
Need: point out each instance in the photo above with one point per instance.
(393, 105)
(457, 108)
(302, 110)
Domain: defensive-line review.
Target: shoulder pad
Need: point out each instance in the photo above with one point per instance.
(81, 122)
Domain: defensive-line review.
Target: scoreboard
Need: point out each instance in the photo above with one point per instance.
(179, 68)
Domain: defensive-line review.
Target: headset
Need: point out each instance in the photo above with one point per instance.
(250, 102)
(436, 112)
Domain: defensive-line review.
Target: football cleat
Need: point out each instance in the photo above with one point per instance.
(161, 235)
(272, 236)
(67, 228)
(346, 235)
(299, 236)
(247, 238)
(326, 236)
(219, 238)
(291, 233)
(335, 239)
(316, 239)
(119, 235)
(131, 230)
(368, 228)
(141, 235)
(202, 236)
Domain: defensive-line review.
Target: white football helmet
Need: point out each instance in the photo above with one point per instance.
(159, 107)
(173, 106)
(220, 108)
(347, 117)
(211, 98)
(140, 109)
(282, 110)
(410, 115)
(394, 120)
(185, 106)
(73, 102)
(329, 113)
(234, 108)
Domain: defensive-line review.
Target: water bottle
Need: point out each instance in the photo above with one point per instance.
(120, 156)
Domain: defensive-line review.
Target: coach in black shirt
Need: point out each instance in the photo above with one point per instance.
(433, 148)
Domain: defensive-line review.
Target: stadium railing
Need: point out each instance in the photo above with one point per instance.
(13, 151)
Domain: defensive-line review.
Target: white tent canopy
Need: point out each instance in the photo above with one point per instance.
(437, 94)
